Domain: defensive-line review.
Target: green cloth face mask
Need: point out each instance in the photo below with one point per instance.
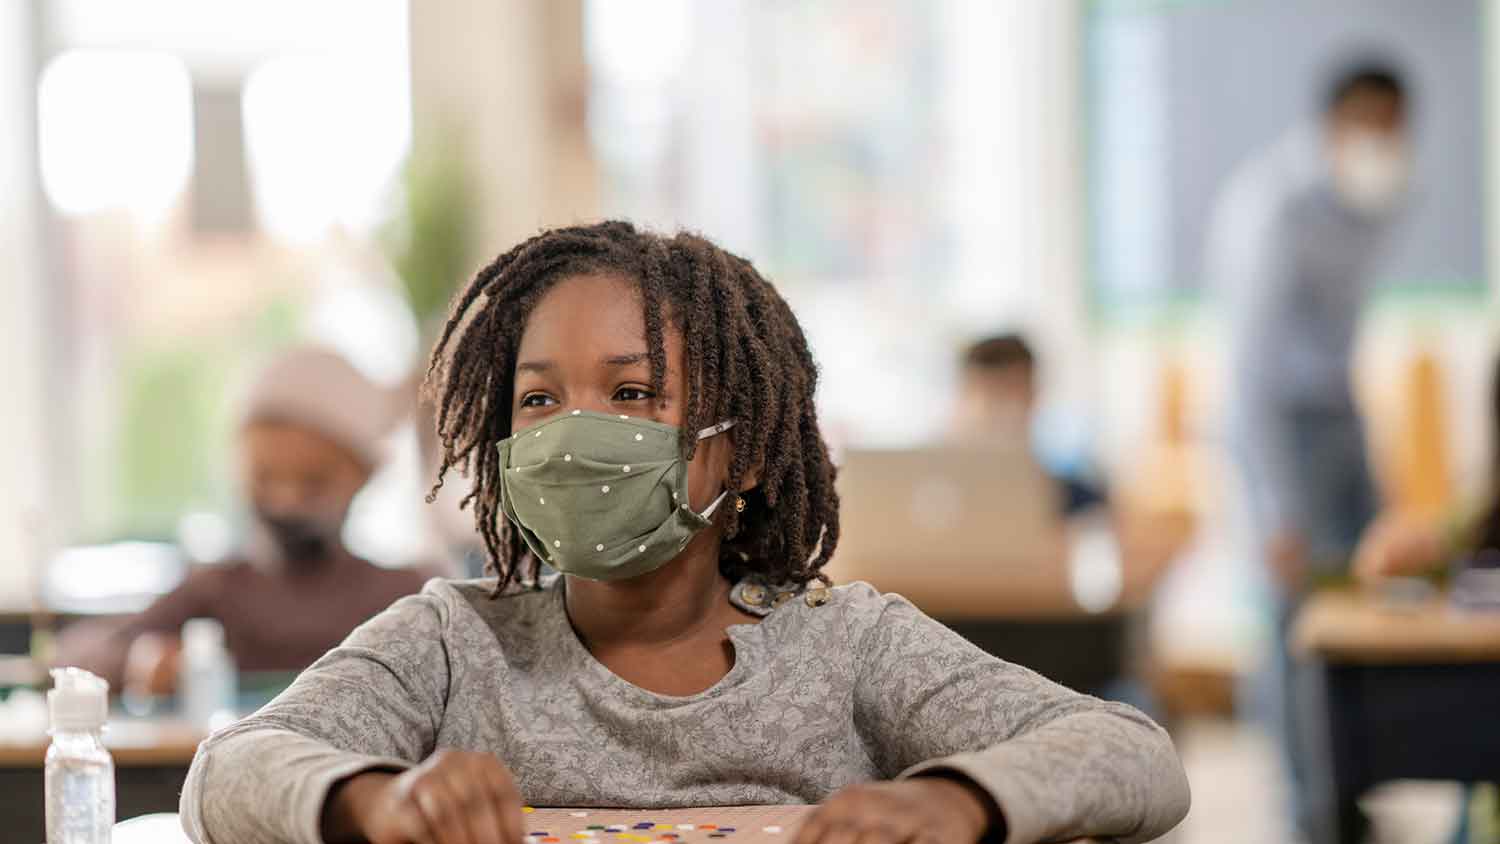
(600, 496)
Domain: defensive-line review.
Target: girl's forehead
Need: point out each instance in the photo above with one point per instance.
(591, 317)
(585, 306)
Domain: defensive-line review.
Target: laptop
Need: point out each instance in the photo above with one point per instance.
(961, 531)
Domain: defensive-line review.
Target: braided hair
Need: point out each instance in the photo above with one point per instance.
(745, 358)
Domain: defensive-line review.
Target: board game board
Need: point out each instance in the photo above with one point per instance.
(720, 825)
(723, 825)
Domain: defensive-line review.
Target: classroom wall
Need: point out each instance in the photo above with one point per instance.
(1457, 329)
(22, 467)
(1043, 165)
(509, 79)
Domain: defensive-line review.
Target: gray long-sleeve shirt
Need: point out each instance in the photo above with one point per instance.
(1293, 265)
(863, 687)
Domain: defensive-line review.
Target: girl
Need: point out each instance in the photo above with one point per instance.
(637, 413)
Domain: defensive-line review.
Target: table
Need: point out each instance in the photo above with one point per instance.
(750, 825)
(1411, 692)
(133, 742)
(156, 828)
(151, 761)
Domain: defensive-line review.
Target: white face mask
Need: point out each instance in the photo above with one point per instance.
(1371, 171)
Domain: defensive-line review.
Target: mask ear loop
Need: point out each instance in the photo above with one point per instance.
(710, 431)
(708, 514)
(714, 430)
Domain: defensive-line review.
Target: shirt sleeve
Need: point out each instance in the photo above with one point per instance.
(1058, 764)
(373, 703)
(1248, 260)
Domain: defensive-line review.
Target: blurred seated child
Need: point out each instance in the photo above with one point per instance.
(309, 438)
(997, 404)
(997, 400)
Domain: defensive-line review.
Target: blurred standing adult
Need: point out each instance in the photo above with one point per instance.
(1291, 246)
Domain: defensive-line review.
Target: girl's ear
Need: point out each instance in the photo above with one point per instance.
(752, 474)
(752, 477)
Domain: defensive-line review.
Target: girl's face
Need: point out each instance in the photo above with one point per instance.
(584, 348)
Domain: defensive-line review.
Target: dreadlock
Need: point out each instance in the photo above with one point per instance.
(745, 358)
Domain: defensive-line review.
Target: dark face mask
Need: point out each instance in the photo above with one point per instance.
(299, 539)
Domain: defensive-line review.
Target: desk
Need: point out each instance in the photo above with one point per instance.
(158, 828)
(751, 824)
(151, 762)
(134, 743)
(1411, 693)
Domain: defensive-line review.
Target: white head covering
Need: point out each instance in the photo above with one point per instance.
(316, 388)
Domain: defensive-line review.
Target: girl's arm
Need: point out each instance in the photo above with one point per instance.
(373, 703)
(1058, 764)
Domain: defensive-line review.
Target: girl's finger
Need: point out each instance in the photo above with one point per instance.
(442, 810)
(839, 832)
(506, 799)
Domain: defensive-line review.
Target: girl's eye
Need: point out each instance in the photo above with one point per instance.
(537, 400)
(632, 394)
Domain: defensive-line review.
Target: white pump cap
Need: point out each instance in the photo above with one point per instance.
(78, 700)
(201, 635)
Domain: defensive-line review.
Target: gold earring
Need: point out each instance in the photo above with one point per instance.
(739, 504)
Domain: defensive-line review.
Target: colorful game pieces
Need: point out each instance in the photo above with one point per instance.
(760, 825)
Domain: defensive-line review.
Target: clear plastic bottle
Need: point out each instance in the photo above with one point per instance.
(208, 674)
(80, 775)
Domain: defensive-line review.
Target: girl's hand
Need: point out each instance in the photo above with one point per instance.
(921, 810)
(454, 797)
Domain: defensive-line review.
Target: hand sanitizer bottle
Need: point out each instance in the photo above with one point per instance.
(208, 674)
(80, 775)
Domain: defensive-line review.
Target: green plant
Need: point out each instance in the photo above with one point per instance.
(429, 240)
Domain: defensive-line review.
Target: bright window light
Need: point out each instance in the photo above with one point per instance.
(640, 43)
(324, 140)
(115, 130)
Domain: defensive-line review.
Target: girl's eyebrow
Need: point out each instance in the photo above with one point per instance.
(626, 360)
(611, 360)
